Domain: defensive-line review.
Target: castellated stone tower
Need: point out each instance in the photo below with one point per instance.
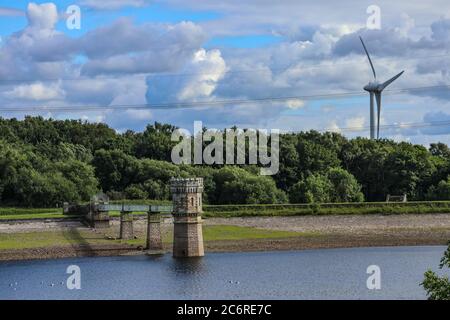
(187, 209)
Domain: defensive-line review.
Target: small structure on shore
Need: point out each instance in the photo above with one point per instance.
(392, 198)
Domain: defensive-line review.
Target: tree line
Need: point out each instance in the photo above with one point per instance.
(44, 162)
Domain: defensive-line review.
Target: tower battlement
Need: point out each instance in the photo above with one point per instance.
(186, 185)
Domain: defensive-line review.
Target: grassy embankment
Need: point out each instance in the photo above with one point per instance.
(422, 207)
(87, 237)
(419, 207)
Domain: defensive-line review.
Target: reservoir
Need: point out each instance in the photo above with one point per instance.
(307, 274)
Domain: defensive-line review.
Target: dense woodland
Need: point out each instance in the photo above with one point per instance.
(46, 162)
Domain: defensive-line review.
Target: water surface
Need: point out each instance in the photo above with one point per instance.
(308, 274)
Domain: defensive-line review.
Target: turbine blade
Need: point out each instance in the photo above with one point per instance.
(378, 98)
(368, 56)
(385, 84)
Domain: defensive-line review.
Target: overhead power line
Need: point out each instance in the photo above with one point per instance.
(393, 126)
(207, 104)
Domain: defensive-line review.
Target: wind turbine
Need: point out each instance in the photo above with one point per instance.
(375, 88)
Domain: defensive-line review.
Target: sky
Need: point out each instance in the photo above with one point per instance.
(287, 65)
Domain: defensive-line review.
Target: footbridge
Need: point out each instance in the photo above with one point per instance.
(186, 209)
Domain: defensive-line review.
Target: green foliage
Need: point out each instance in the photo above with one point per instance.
(155, 142)
(135, 192)
(439, 192)
(315, 188)
(438, 288)
(337, 185)
(345, 187)
(30, 179)
(44, 162)
(236, 185)
(29, 211)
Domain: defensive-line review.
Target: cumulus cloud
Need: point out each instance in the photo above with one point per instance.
(36, 91)
(154, 47)
(43, 16)
(355, 122)
(319, 53)
(39, 51)
(201, 76)
(295, 103)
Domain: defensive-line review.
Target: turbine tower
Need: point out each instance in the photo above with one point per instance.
(375, 89)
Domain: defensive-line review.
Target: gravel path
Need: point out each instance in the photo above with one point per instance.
(341, 223)
(354, 224)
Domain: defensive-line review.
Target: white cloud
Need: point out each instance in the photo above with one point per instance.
(42, 16)
(319, 53)
(355, 122)
(36, 91)
(201, 76)
(295, 103)
(333, 127)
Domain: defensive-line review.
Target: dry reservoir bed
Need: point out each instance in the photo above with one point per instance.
(51, 239)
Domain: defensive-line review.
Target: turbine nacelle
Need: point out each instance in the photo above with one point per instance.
(373, 87)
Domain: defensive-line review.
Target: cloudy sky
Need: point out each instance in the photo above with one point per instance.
(289, 65)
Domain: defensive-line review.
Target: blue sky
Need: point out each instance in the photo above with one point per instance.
(139, 52)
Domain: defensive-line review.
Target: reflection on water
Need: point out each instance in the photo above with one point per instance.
(309, 274)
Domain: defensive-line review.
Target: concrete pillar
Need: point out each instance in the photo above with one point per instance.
(126, 225)
(154, 241)
(187, 209)
(99, 219)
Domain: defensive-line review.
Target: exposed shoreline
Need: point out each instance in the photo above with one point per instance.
(314, 232)
(249, 245)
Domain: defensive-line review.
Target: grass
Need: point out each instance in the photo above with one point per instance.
(327, 209)
(49, 238)
(422, 207)
(7, 211)
(31, 216)
(75, 237)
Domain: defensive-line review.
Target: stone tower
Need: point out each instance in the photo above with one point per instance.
(187, 209)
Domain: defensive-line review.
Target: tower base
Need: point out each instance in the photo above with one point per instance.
(188, 237)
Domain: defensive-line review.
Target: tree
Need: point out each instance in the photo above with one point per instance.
(234, 185)
(439, 192)
(440, 150)
(438, 288)
(345, 187)
(155, 142)
(135, 192)
(115, 169)
(365, 159)
(314, 189)
(337, 185)
(289, 170)
(407, 169)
